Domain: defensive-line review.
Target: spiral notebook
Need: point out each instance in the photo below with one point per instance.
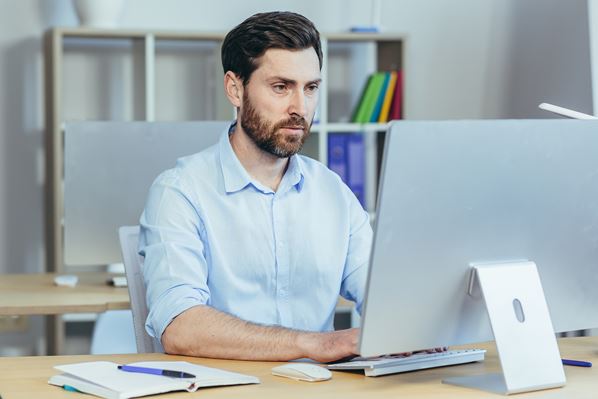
(104, 379)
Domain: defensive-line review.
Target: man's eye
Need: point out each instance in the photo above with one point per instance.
(279, 88)
(312, 88)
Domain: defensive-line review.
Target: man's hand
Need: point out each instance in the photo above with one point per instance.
(433, 350)
(329, 346)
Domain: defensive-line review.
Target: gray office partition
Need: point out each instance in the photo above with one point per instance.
(108, 169)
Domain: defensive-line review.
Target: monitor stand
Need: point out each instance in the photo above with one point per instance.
(525, 339)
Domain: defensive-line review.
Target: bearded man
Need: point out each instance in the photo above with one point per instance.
(248, 244)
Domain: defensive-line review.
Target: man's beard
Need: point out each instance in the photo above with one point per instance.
(267, 136)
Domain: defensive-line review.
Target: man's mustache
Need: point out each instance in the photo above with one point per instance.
(293, 122)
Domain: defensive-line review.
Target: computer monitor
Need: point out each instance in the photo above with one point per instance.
(108, 170)
(459, 193)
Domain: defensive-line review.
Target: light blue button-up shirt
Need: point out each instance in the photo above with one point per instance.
(211, 234)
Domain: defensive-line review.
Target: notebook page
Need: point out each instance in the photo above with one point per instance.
(107, 374)
(205, 376)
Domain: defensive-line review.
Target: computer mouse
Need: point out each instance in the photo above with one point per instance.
(302, 372)
(66, 280)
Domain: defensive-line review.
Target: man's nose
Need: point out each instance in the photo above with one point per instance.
(298, 104)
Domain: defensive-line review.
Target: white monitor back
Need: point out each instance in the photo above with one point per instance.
(461, 192)
(108, 169)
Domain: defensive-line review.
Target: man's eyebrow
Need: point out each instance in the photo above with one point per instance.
(293, 82)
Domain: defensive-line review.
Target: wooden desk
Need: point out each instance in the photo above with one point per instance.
(36, 294)
(26, 377)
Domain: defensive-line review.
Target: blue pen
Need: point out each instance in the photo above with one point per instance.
(70, 388)
(148, 370)
(578, 363)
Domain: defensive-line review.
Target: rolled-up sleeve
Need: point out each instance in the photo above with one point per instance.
(172, 240)
(358, 255)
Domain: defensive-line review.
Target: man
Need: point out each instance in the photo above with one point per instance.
(247, 245)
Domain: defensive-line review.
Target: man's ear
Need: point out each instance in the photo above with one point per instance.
(233, 88)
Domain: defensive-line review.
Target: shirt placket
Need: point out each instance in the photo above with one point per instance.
(282, 260)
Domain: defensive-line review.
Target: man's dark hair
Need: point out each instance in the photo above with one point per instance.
(249, 40)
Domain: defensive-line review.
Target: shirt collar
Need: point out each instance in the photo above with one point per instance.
(294, 174)
(236, 177)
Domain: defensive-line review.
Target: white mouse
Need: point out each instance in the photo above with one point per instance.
(66, 280)
(302, 372)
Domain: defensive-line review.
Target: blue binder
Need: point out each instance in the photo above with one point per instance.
(346, 157)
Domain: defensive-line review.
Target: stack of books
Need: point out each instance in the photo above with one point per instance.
(380, 99)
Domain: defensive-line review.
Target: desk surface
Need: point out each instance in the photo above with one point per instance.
(26, 377)
(36, 294)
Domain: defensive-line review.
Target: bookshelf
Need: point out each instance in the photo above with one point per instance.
(133, 75)
(110, 74)
(349, 58)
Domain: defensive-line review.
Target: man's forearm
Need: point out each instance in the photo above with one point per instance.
(206, 332)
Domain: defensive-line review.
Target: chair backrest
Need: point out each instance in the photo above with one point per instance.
(129, 239)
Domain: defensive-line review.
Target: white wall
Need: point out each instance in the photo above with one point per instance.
(549, 57)
(493, 58)
(464, 59)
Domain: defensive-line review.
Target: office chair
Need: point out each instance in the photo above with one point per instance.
(113, 333)
(129, 238)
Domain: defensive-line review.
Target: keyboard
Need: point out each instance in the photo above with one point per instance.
(389, 364)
